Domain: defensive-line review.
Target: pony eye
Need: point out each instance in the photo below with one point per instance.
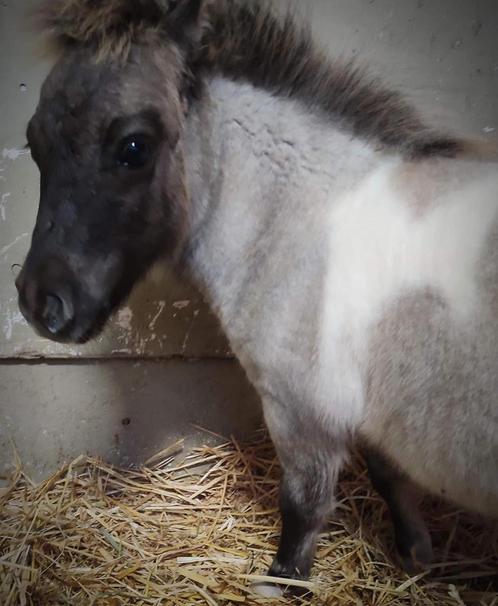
(133, 152)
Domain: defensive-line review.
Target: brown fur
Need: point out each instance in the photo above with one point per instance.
(107, 28)
(245, 40)
(430, 183)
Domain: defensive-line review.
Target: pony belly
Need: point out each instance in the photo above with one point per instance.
(431, 402)
(448, 479)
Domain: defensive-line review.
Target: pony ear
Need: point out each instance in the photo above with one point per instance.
(185, 19)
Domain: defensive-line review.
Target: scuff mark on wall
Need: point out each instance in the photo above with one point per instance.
(5, 249)
(124, 318)
(161, 305)
(3, 203)
(14, 153)
(141, 346)
(12, 319)
(189, 331)
(181, 304)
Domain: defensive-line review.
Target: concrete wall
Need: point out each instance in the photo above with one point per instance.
(442, 53)
(124, 411)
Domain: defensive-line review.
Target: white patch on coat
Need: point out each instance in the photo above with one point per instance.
(379, 251)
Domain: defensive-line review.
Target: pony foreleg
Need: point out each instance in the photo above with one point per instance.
(311, 460)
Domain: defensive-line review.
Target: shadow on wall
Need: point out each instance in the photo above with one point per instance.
(122, 411)
(173, 399)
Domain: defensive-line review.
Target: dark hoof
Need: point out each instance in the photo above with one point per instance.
(282, 571)
(416, 555)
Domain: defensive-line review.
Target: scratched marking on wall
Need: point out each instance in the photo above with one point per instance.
(11, 317)
(124, 318)
(189, 331)
(161, 306)
(3, 203)
(15, 153)
(181, 304)
(7, 247)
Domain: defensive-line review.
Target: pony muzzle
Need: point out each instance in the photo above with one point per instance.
(46, 300)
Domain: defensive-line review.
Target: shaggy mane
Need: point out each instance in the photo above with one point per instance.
(245, 40)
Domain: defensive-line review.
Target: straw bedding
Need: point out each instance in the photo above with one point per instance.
(202, 531)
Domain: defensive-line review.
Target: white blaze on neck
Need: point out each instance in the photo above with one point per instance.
(379, 250)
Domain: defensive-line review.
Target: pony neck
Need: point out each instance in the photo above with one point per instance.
(254, 160)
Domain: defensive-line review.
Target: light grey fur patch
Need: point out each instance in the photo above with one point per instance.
(431, 398)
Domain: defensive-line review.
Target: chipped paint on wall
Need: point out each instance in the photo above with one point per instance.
(189, 331)
(12, 318)
(161, 305)
(7, 247)
(181, 304)
(124, 318)
(14, 153)
(3, 203)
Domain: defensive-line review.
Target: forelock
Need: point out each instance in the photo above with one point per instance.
(108, 29)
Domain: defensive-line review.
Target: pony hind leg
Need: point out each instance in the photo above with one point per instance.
(310, 462)
(413, 541)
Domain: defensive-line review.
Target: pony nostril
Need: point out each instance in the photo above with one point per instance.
(54, 314)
